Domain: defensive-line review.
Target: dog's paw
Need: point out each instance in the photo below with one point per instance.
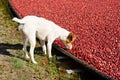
(34, 62)
(27, 57)
(50, 58)
(45, 53)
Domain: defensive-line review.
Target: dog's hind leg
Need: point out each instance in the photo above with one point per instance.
(32, 40)
(25, 40)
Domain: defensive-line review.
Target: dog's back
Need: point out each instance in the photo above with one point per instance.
(36, 21)
(42, 26)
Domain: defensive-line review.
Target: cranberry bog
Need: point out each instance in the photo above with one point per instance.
(96, 24)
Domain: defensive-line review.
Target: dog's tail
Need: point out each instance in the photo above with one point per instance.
(18, 20)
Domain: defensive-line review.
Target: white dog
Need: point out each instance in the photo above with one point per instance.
(44, 30)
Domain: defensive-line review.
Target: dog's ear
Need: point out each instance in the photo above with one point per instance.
(71, 37)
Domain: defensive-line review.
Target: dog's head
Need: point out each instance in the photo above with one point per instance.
(69, 40)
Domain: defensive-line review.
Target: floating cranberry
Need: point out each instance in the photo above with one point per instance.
(96, 24)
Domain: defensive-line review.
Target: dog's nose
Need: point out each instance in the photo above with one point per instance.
(69, 47)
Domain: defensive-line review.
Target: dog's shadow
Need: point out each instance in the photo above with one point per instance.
(5, 46)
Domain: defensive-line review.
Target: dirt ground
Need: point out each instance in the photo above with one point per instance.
(13, 66)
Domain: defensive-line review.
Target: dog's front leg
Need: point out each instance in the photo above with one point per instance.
(49, 47)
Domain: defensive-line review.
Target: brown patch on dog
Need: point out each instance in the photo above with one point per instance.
(71, 38)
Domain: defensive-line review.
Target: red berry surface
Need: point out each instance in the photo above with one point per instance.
(96, 24)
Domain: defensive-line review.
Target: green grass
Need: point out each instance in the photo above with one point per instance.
(52, 69)
(18, 63)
